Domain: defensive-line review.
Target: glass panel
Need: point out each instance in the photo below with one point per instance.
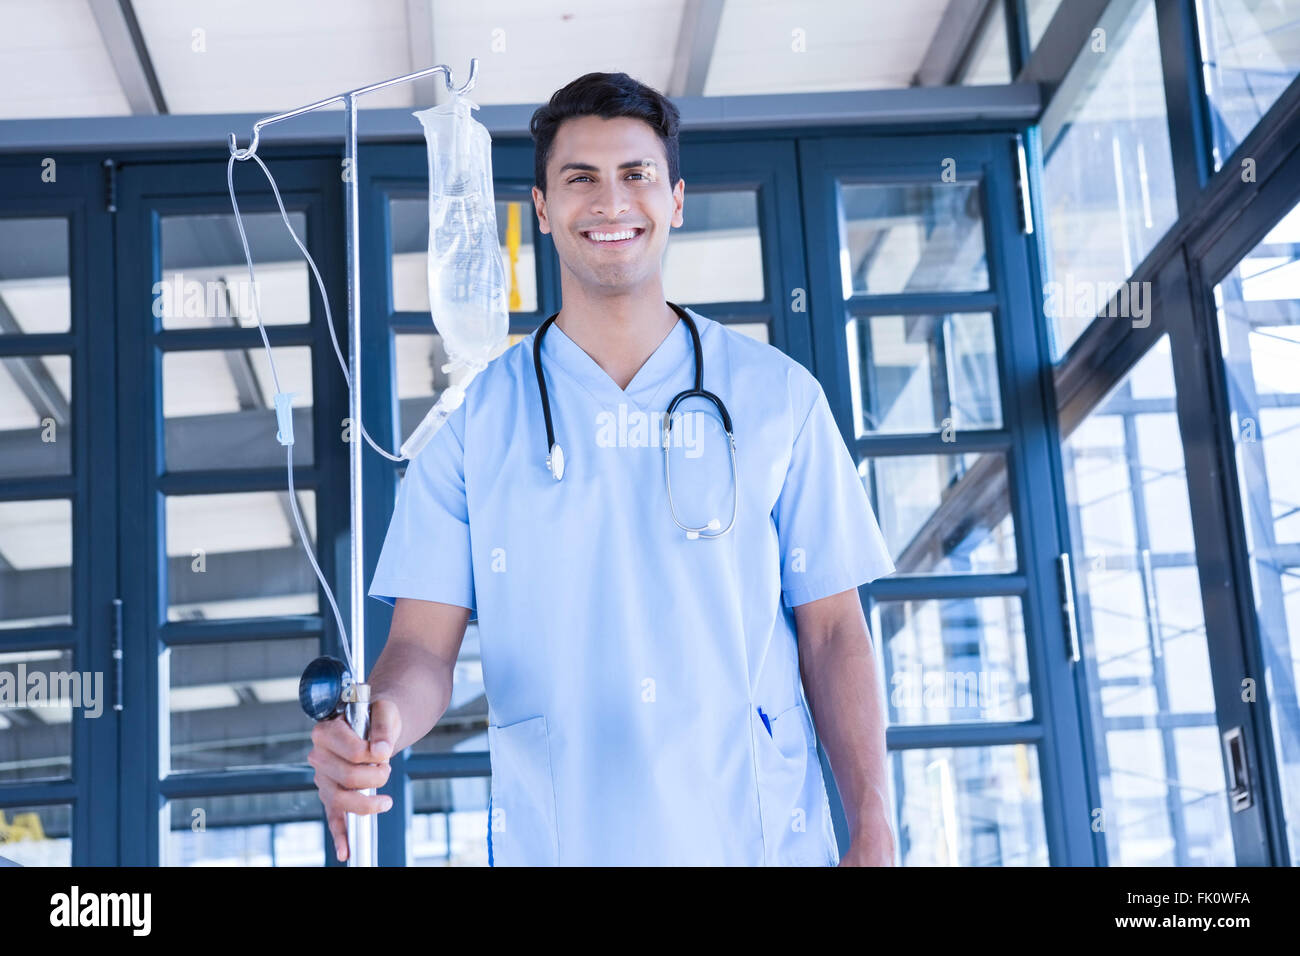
(449, 822)
(915, 237)
(969, 806)
(1142, 631)
(38, 690)
(239, 555)
(35, 291)
(463, 728)
(204, 282)
(923, 373)
(420, 379)
(248, 829)
(1259, 328)
(408, 223)
(35, 563)
(944, 514)
(235, 704)
(36, 836)
(1108, 182)
(955, 660)
(990, 62)
(219, 407)
(716, 255)
(1251, 52)
(35, 415)
(1040, 13)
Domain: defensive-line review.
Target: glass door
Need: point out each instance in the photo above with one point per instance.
(58, 517)
(223, 608)
(927, 348)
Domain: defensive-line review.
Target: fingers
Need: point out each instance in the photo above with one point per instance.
(352, 776)
(385, 728)
(337, 737)
(341, 800)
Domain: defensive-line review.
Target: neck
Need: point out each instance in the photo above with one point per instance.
(619, 331)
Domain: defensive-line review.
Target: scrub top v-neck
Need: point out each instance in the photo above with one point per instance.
(643, 689)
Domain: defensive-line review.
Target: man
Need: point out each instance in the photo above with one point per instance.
(644, 685)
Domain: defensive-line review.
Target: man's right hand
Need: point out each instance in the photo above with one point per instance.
(346, 764)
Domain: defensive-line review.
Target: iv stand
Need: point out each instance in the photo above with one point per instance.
(362, 834)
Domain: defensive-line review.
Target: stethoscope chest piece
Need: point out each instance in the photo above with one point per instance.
(555, 461)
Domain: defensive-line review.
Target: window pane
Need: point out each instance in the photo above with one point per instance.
(419, 377)
(35, 563)
(239, 555)
(248, 829)
(1251, 52)
(36, 836)
(716, 255)
(463, 728)
(755, 330)
(1141, 629)
(1259, 328)
(35, 292)
(917, 237)
(235, 704)
(955, 660)
(219, 407)
(449, 822)
(1108, 181)
(944, 514)
(204, 282)
(38, 691)
(923, 373)
(990, 61)
(409, 268)
(35, 415)
(1040, 13)
(969, 806)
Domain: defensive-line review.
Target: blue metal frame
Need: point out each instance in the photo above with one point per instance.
(77, 194)
(1024, 437)
(149, 190)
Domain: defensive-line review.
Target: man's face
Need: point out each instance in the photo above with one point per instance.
(609, 177)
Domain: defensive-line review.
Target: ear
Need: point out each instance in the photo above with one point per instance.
(679, 198)
(539, 206)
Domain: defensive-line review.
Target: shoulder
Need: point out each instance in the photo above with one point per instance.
(764, 365)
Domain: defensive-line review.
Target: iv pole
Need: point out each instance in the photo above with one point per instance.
(362, 834)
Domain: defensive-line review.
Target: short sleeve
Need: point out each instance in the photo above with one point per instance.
(426, 552)
(828, 534)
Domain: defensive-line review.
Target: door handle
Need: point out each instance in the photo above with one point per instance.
(1240, 794)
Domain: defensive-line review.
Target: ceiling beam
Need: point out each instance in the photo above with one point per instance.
(949, 47)
(419, 38)
(129, 54)
(696, 39)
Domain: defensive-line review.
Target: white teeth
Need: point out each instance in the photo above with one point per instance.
(611, 236)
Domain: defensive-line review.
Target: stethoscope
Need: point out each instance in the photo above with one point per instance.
(555, 454)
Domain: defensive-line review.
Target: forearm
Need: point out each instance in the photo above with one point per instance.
(839, 677)
(417, 681)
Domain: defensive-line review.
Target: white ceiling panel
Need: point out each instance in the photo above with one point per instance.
(265, 56)
(780, 46)
(528, 50)
(53, 62)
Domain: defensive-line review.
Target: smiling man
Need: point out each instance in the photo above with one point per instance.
(661, 624)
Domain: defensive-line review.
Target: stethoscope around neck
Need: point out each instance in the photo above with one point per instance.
(555, 454)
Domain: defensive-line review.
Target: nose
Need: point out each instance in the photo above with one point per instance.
(611, 199)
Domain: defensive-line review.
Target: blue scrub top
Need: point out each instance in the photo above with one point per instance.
(644, 697)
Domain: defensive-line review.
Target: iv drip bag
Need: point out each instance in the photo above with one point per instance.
(467, 278)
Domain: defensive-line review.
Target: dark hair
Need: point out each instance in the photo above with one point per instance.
(606, 95)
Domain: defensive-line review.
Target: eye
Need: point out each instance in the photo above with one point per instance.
(576, 178)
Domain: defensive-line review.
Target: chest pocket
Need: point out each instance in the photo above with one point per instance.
(522, 827)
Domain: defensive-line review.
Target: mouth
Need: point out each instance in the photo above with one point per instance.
(612, 238)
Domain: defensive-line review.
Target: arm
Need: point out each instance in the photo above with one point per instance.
(838, 669)
(410, 689)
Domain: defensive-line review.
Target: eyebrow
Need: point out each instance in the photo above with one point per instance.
(588, 168)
